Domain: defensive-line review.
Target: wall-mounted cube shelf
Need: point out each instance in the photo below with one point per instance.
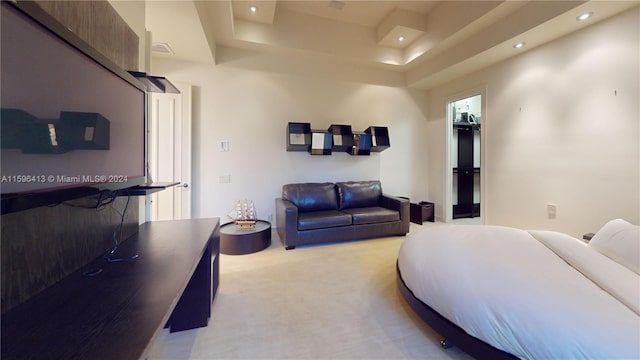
(156, 84)
(321, 142)
(71, 131)
(84, 130)
(342, 138)
(361, 144)
(379, 138)
(338, 138)
(298, 136)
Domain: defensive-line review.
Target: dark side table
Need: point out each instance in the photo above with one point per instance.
(421, 212)
(236, 241)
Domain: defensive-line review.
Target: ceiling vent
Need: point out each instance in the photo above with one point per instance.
(163, 48)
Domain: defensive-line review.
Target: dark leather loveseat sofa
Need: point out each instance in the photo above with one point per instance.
(310, 213)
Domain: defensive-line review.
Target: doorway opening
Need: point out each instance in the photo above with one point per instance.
(464, 119)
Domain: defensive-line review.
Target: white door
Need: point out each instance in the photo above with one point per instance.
(170, 154)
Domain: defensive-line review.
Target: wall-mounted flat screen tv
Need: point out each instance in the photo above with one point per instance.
(72, 122)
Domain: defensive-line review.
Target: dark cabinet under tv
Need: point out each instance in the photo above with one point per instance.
(115, 309)
(466, 173)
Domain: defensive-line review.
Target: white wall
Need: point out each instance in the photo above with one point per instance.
(250, 109)
(562, 126)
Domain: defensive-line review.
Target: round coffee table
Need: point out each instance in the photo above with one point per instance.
(236, 241)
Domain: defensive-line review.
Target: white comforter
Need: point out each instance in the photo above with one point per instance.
(534, 294)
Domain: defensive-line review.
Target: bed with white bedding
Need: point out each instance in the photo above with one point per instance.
(530, 294)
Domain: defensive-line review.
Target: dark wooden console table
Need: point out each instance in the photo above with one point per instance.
(113, 310)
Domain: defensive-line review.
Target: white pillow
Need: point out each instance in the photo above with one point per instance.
(620, 241)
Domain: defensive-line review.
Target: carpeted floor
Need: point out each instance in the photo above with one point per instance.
(332, 301)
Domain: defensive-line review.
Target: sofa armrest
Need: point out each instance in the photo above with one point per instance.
(399, 204)
(286, 221)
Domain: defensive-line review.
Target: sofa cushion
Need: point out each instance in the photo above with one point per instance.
(311, 196)
(355, 194)
(372, 215)
(322, 219)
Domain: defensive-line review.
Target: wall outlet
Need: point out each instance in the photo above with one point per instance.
(551, 211)
(224, 146)
(269, 217)
(225, 179)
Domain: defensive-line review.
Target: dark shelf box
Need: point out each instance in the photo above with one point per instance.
(361, 144)
(342, 137)
(379, 138)
(40, 141)
(84, 130)
(321, 142)
(156, 84)
(298, 136)
(15, 125)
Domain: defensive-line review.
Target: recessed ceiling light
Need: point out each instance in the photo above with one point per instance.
(518, 45)
(400, 38)
(253, 8)
(584, 16)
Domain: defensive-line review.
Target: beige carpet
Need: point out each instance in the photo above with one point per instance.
(333, 301)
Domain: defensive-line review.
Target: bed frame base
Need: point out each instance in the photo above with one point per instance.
(452, 334)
